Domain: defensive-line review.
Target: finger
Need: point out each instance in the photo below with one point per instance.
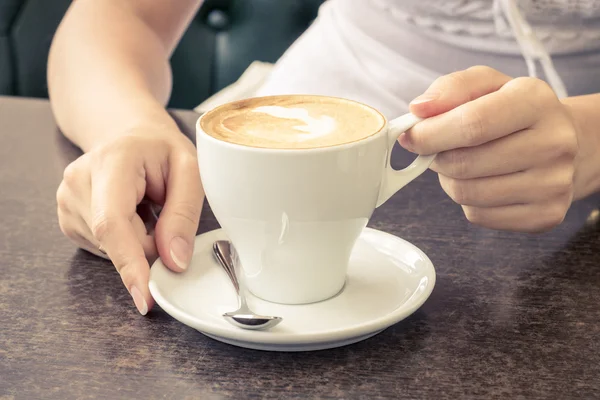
(145, 238)
(71, 198)
(140, 227)
(450, 91)
(178, 221)
(514, 107)
(530, 218)
(115, 193)
(517, 152)
(88, 242)
(75, 188)
(80, 202)
(76, 230)
(532, 186)
(141, 230)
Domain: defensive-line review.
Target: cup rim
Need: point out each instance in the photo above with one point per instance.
(330, 148)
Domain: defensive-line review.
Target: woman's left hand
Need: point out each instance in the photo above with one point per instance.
(507, 147)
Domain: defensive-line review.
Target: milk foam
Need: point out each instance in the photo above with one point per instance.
(311, 127)
(292, 122)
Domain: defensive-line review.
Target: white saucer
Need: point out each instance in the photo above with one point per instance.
(388, 279)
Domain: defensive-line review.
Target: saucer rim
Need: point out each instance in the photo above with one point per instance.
(282, 338)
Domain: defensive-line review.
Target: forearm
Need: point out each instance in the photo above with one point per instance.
(108, 73)
(586, 112)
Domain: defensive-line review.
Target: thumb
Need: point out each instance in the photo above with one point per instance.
(450, 91)
(178, 222)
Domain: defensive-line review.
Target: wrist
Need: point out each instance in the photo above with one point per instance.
(143, 122)
(587, 162)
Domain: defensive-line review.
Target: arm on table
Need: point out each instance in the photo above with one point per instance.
(109, 80)
(108, 68)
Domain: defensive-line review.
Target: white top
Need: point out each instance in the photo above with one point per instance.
(386, 52)
(563, 26)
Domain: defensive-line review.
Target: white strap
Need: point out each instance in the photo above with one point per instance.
(531, 47)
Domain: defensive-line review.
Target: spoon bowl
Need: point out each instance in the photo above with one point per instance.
(243, 317)
(251, 321)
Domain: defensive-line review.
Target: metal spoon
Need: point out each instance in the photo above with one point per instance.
(244, 318)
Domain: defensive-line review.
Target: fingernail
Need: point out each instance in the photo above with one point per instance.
(139, 301)
(426, 98)
(405, 142)
(181, 252)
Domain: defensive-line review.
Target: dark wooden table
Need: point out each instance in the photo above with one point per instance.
(512, 315)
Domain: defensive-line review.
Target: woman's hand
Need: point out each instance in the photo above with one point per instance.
(99, 196)
(507, 147)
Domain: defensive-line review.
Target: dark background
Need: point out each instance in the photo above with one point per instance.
(222, 40)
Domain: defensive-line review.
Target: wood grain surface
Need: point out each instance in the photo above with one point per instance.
(512, 316)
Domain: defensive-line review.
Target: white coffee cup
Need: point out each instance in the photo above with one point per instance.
(294, 215)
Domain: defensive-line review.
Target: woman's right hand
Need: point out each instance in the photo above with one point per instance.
(100, 192)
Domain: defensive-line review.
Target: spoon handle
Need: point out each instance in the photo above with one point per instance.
(222, 250)
(236, 266)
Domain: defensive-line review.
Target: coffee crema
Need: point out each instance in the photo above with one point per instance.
(292, 122)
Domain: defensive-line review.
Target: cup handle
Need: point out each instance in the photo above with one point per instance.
(394, 180)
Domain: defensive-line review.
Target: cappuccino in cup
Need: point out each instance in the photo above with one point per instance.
(293, 181)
